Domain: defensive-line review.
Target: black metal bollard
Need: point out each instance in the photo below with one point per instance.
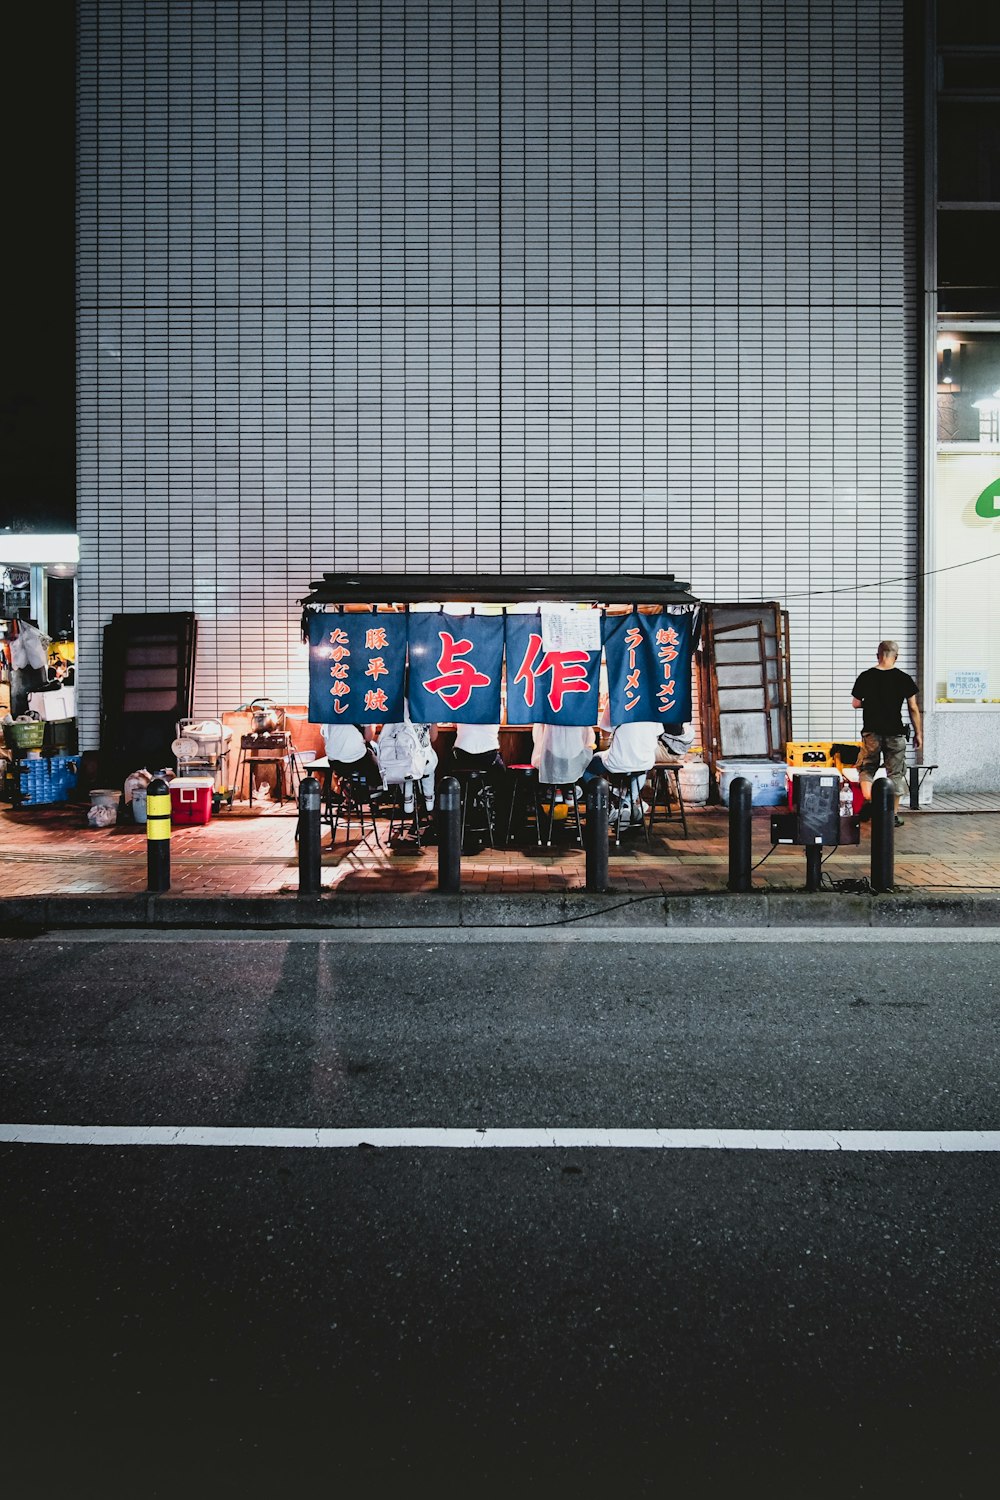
(158, 835)
(883, 818)
(597, 836)
(740, 800)
(310, 838)
(449, 836)
(814, 866)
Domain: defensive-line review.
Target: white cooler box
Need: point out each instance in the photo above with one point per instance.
(60, 703)
(766, 777)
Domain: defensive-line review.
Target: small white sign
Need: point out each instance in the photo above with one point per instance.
(571, 630)
(968, 683)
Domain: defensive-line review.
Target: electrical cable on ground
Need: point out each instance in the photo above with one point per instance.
(762, 858)
(856, 886)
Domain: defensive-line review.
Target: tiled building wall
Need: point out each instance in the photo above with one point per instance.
(479, 286)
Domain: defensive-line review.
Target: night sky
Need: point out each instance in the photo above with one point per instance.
(37, 485)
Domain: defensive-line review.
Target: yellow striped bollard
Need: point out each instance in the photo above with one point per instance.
(158, 835)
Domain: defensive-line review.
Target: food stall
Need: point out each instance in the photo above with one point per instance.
(507, 651)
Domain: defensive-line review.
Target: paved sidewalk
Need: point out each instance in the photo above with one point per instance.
(244, 852)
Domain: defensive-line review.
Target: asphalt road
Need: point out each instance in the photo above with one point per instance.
(235, 1320)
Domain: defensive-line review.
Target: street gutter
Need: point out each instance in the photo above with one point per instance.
(20, 915)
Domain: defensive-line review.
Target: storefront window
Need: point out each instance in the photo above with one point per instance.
(967, 514)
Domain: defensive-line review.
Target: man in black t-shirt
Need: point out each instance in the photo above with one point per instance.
(880, 692)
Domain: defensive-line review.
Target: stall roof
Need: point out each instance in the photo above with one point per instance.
(499, 588)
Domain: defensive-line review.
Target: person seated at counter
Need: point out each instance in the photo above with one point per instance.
(632, 753)
(561, 752)
(349, 753)
(477, 747)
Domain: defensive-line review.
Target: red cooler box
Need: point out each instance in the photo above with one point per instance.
(191, 799)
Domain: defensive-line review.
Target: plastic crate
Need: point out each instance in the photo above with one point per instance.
(44, 780)
(60, 736)
(24, 734)
(809, 752)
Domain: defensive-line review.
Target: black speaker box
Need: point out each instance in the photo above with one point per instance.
(816, 799)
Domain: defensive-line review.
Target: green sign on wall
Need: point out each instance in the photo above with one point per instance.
(988, 504)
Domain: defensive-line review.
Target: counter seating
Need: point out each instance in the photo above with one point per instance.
(349, 805)
(620, 786)
(664, 790)
(546, 797)
(478, 805)
(524, 802)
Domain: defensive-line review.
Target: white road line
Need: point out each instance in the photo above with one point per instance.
(528, 1139)
(577, 931)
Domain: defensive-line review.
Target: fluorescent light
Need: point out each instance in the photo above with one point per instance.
(27, 548)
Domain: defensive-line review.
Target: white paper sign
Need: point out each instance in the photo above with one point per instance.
(571, 630)
(970, 682)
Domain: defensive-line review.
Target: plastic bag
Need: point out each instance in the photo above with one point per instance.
(677, 742)
(102, 815)
(34, 645)
(136, 782)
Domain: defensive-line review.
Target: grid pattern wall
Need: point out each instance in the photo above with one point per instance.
(488, 285)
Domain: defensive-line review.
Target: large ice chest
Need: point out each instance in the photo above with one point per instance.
(769, 787)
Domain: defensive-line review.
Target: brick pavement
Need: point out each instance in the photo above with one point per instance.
(51, 851)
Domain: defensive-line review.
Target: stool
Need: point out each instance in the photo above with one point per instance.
(660, 780)
(398, 816)
(262, 749)
(547, 793)
(355, 792)
(524, 788)
(477, 805)
(621, 782)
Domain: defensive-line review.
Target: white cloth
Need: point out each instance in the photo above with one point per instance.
(633, 746)
(32, 644)
(343, 742)
(476, 739)
(561, 752)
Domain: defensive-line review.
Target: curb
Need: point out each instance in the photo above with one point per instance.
(23, 915)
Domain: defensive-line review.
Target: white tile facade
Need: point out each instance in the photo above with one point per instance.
(480, 287)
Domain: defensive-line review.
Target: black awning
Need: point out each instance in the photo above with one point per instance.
(499, 588)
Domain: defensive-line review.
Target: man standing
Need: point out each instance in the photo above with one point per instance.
(880, 692)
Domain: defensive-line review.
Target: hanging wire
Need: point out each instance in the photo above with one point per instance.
(853, 588)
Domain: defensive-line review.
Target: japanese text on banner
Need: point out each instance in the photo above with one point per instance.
(546, 685)
(455, 666)
(356, 668)
(649, 667)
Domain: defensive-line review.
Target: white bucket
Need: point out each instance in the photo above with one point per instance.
(139, 804)
(106, 796)
(693, 778)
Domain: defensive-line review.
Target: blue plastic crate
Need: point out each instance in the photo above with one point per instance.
(47, 779)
